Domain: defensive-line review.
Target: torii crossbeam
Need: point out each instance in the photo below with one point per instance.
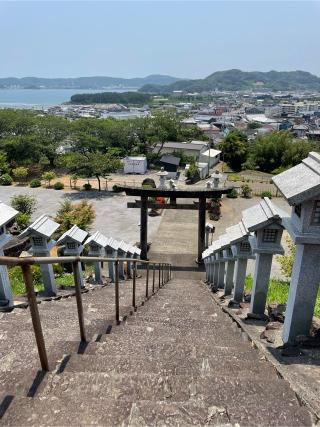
(144, 193)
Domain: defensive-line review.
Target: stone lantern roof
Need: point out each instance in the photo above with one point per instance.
(301, 182)
(43, 226)
(262, 215)
(224, 241)
(112, 243)
(7, 213)
(75, 234)
(137, 251)
(97, 238)
(237, 232)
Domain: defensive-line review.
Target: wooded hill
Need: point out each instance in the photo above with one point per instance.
(233, 80)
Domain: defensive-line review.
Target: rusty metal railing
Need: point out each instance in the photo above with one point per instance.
(165, 274)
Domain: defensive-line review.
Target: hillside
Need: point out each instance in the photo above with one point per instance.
(241, 80)
(124, 98)
(98, 82)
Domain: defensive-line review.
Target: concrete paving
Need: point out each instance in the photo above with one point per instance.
(113, 218)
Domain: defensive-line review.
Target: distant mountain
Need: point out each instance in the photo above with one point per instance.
(234, 80)
(98, 82)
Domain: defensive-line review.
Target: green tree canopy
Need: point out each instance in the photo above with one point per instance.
(234, 148)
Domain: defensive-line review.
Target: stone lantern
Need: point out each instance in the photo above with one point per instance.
(111, 251)
(213, 265)
(96, 243)
(241, 250)
(162, 177)
(210, 229)
(7, 215)
(300, 186)
(205, 257)
(226, 257)
(217, 179)
(40, 233)
(264, 220)
(73, 239)
(122, 253)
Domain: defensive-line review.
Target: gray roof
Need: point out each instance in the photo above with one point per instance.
(172, 160)
(236, 233)
(301, 182)
(43, 226)
(112, 243)
(224, 241)
(7, 213)
(262, 214)
(182, 146)
(97, 238)
(123, 246)
(75, 233)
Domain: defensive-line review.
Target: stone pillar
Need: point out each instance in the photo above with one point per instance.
(221, 274)
(50, 287)
(260, 283)
(211, 274)
(216, 274)
(303, 292)
(229, 283)
(98, 272)
(201, 228)
(5, 287)
(240, 276)
(111, 269)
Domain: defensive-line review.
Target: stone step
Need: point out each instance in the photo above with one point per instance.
(217, 390)
(180, 365)
(214, 334)
(84, 410)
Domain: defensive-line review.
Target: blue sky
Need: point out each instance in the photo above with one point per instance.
(137, 38)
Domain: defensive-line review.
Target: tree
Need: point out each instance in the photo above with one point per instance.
(81, 214)
(234, 149)
(26, 205)
(48, 177)
(92, 164)
(4, 166)
(20, 173)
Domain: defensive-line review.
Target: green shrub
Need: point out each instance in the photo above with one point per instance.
(87, 186)
(24, 203)
(58, 185)
(233, 194)
(23, 220)
(17, 282)
(266, 194)
(20, 173)
(6, 179)
(34, 183)
(246, 191)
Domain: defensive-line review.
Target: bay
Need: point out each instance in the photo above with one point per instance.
(32, 98)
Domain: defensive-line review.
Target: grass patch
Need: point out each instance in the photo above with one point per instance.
(278, 292)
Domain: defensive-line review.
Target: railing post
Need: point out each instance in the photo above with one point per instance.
(28, 280)
(134, 285)
(159, 275)
(116, 290)
(147, 282)
(153, 277)
(77, 285)
(162, 282)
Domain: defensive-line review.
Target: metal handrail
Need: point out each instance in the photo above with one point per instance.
(25, 263)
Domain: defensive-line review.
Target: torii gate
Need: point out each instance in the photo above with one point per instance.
(144, 193)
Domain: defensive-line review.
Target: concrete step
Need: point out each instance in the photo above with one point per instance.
(83, 410)
(217, 390)
(179, 365)
(167, 350)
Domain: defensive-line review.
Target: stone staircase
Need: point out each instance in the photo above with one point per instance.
(178, 360)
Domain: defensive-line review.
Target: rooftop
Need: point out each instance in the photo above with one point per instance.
(300, 182)
(262, 214)
(7, 213)
(75, 233)
(43, 226)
